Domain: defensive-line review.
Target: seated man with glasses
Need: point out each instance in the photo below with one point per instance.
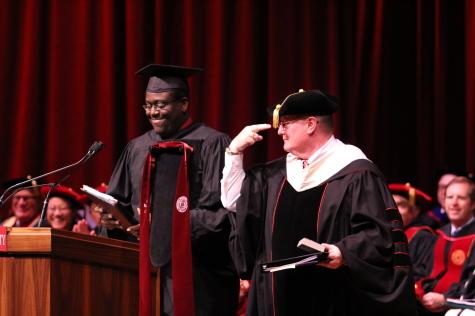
(25, 205)
(215, 285)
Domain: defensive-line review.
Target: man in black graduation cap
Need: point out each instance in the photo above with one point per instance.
(176, 142)
(326, 191)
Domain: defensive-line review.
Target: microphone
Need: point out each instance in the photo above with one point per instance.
(94, 149)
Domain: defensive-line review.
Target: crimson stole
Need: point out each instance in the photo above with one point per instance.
(182, 273)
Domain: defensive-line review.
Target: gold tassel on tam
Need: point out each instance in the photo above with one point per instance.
(275, 114)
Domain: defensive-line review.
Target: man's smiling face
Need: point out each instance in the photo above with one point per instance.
(165, 112)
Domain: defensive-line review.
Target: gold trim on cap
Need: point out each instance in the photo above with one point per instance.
(411, 194)
(275, 113)
(275, 116)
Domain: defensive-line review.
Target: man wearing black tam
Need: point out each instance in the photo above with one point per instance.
(176, 166)
(326, 191)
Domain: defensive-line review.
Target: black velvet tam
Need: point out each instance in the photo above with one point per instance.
(311, 102)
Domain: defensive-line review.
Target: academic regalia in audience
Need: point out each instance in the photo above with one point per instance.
(445, 264)
(412, 204)
(445, 260)
(93, 211)
(63, 206)
(434, 218)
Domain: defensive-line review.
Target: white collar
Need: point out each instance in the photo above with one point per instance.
(323, 164)
(322, 150)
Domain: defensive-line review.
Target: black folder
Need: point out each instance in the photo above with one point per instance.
(295, 262)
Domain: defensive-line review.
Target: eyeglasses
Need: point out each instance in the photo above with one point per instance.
(26, 198)
(285, 124)
(159, 104)
(61, 209)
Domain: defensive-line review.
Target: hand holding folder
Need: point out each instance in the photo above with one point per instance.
(110, 205)
(317, 255)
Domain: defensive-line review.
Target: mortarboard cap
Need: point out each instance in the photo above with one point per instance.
(412, 194)
(13, 182)
(167, 77)
(311, 102)
(32, 185)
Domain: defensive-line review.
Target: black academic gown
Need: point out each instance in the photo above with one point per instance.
(434, 218)
(356, 213)
(420, 251)
(216, 285)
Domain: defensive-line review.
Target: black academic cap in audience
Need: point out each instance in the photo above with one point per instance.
(12, 182)
(302, 103)
(167, 77)
(28, 185)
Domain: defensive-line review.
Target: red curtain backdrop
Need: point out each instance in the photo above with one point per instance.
(404, 72)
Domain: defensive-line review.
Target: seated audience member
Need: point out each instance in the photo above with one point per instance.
(92, 213)
(436, 217)
(411, 203)
(25, 205)
(63, 206)
(448, 255)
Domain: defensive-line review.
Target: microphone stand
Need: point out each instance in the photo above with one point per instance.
(95, 148)
(45, 201)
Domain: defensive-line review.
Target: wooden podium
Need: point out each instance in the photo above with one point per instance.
(51, 272)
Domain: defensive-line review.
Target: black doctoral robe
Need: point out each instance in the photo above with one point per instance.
(216, 285)
(355, 212)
